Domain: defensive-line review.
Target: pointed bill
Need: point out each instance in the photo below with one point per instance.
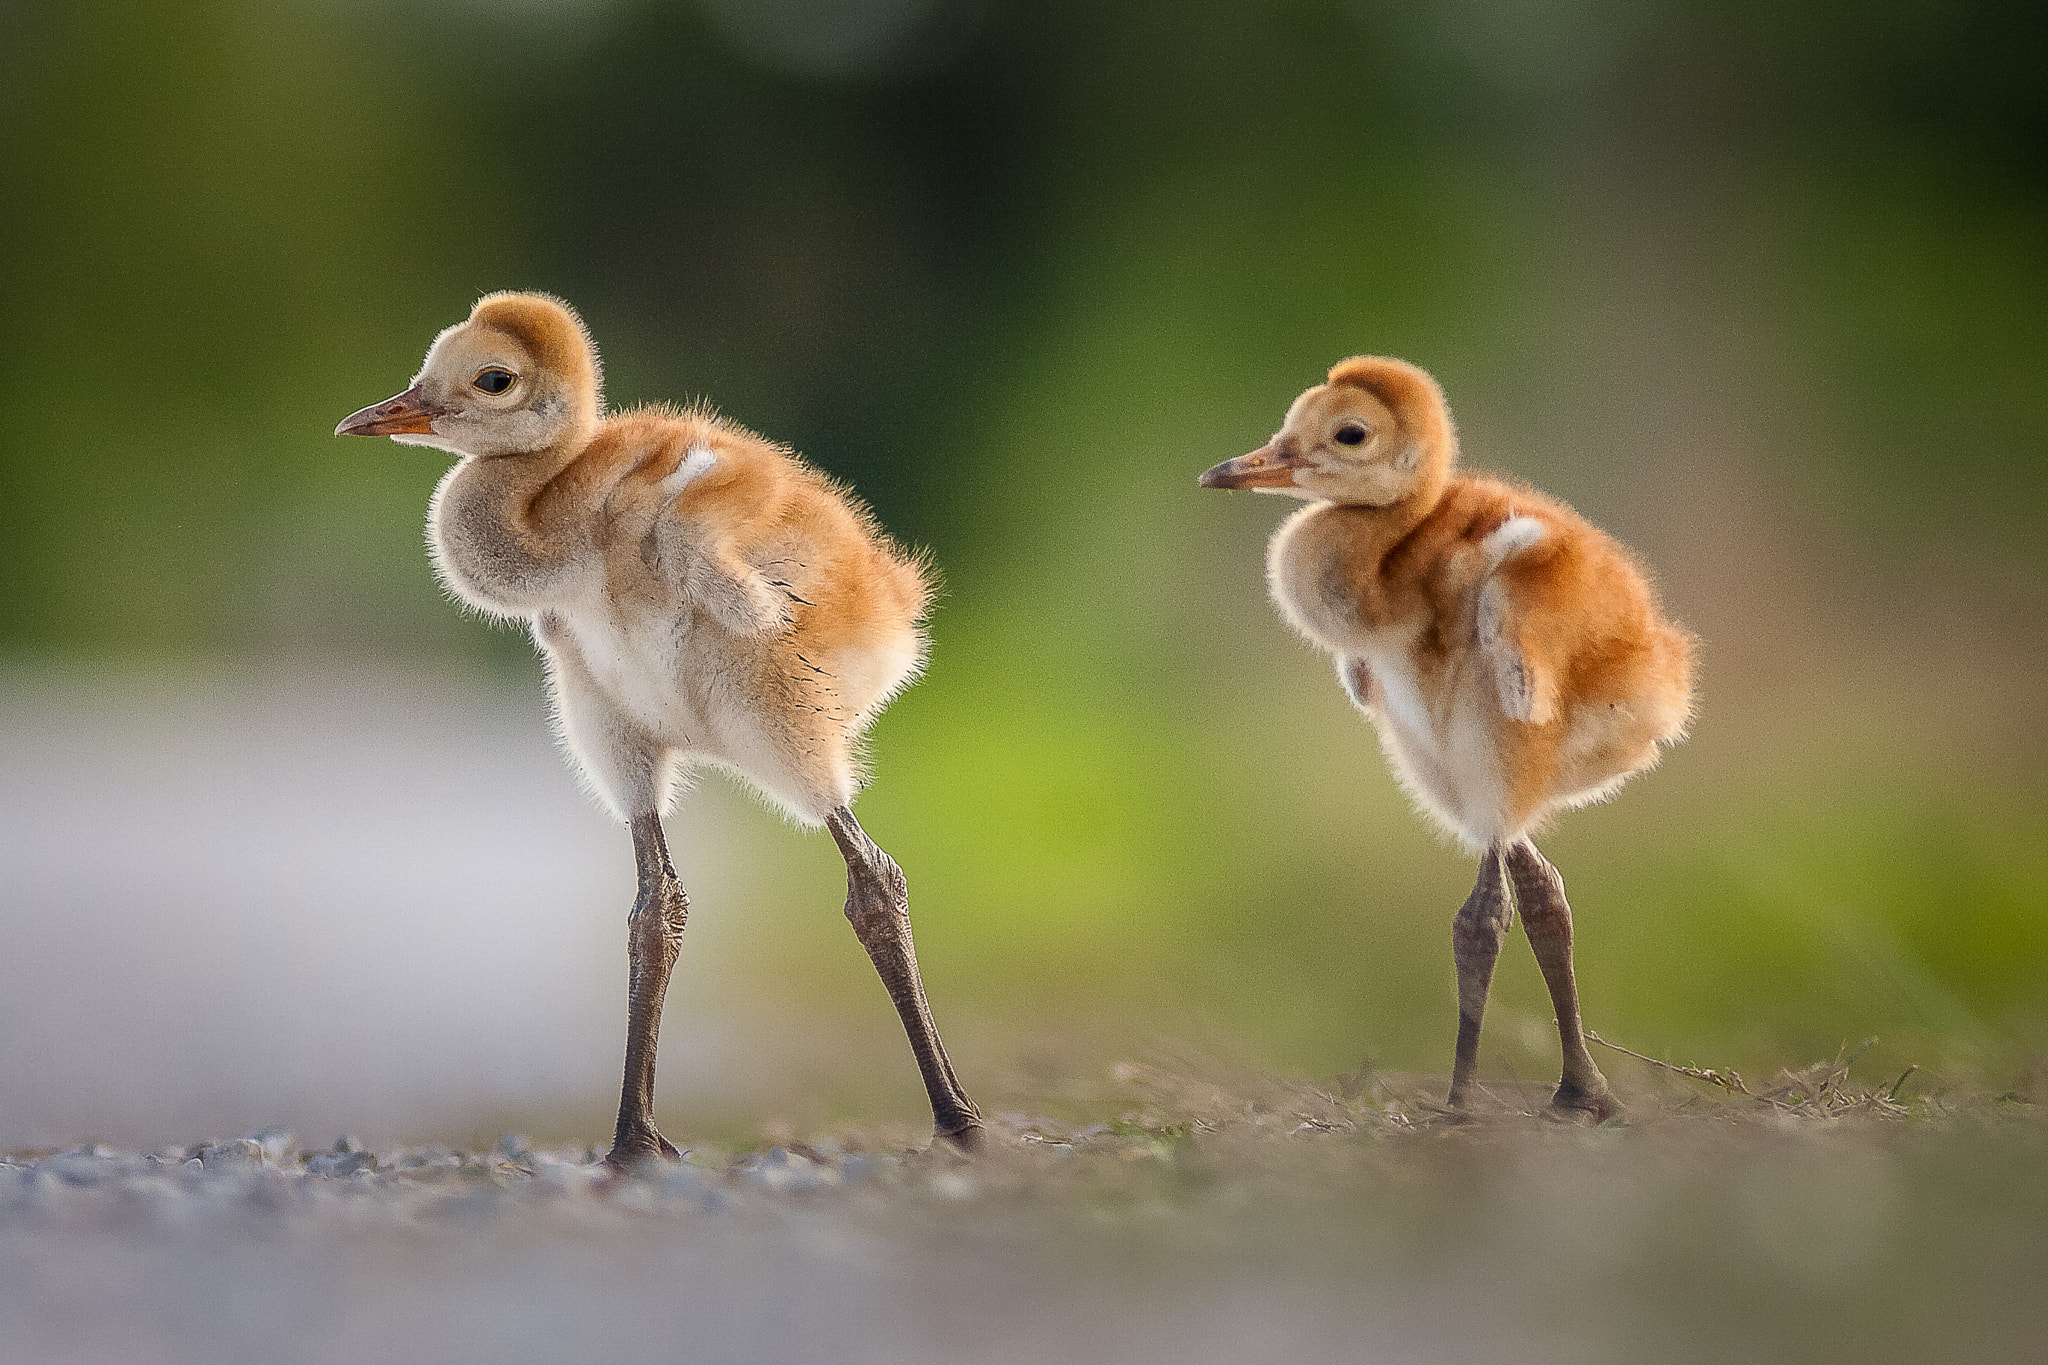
(1267, 467)
(407, 414)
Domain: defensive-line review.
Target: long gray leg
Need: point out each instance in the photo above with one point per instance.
(878, 906)
(1547, 920)
(1477, 931)
(654, 932)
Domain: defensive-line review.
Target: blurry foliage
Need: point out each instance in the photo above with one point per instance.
(1018, 271)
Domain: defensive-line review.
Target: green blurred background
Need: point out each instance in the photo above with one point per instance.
(1763, 289)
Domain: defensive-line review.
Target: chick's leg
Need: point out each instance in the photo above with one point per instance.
(1547, 920)
(878, 906)
(1477, 931)
(654, 932)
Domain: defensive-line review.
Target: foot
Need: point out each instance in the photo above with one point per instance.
(638, 1148)
(1584, 1106)
(970, 1139)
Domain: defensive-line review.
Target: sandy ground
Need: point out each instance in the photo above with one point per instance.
(1247, 1223)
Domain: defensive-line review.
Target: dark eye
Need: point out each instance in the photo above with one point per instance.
(1351, 434)
(494, 380)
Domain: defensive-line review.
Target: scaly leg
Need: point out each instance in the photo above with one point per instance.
(1547, 920)
(1477, 931)
(878, 906)
(654, 932)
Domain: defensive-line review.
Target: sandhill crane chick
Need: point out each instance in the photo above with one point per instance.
(701, 595)
(1511, 656)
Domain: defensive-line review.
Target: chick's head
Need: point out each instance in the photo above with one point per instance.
(1376, 433)
(518, 375)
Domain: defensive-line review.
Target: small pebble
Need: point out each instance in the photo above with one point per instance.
(563, 1177)
(88, 1165)
(955, 1185)
(431, 1155)
(277, 1143)
(681, 1182)
(236, 1154)
(796, 1176)
(860, 1166)
(342, 1163)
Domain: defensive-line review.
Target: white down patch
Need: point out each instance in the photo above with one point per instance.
(698, 461)
(1401, 696)
(1443, 756)
(431, 442)
(1509, 539)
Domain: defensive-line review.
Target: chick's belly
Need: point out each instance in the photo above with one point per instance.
(638, 669)
(1448, 765)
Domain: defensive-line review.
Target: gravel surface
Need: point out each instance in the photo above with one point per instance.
(1263, 1222)
(268, 1174)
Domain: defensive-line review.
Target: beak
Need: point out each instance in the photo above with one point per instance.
(1266, 467)
(406, 415)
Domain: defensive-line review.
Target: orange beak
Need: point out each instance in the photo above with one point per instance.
(1266, 467)
(408, 414)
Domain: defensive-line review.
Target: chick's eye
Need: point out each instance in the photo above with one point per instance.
(494, 381)
(1351, 434)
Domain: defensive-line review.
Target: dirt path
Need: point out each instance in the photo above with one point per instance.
(1244, 1222)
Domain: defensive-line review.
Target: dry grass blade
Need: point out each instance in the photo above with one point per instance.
(1727, 1080)
(1820, 1090)
(1820, 1085)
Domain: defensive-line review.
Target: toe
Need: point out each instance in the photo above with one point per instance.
(1585, 1106)
(972, 1139)
(639, 1149)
